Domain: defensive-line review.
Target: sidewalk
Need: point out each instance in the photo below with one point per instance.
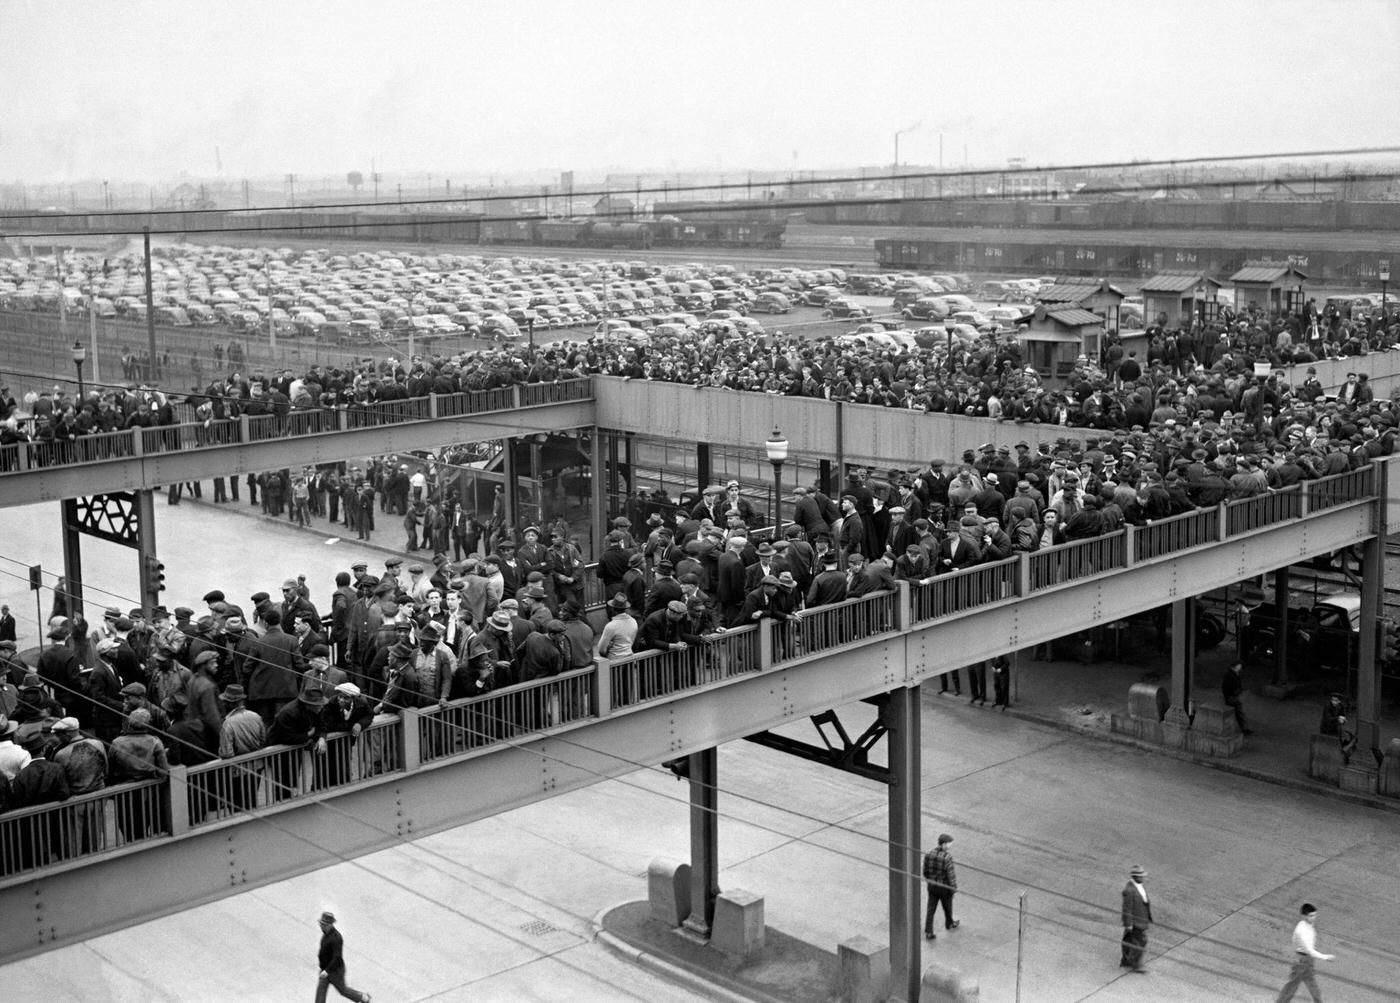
(1081, 697)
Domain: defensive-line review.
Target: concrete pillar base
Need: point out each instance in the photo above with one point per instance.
(668, 891)
(1214, 732)
(945, 984)
(738, 928)
(1389, 781)
(1325, 759)
(865, 970)
(1360, 776)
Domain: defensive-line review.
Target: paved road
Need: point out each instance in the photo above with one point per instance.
(501, 909)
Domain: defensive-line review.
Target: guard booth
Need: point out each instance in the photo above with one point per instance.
(1055, 337)
(1272, 288)
(1101, 297)
(1175, 299)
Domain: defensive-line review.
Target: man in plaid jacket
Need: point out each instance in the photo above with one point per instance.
(942, 880)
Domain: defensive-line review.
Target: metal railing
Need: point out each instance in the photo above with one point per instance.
(31, 838)
(299, 421)
(1178, 532)
(964, 589)
(1244, 515)
(476, 722)
(831, 626)
(1070, 562)
(1339, 489)
(652, 675)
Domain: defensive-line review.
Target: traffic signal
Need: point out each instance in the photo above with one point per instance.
(1388, 646)
(156, 572)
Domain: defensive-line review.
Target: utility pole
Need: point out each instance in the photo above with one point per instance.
(150, 305)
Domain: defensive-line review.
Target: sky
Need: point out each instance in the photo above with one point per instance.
(155, 89)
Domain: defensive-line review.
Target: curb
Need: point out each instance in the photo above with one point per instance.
(702, 983)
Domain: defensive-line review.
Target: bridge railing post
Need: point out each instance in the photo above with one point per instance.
(433, 406)
(515, 396)
(245, 429)
(903, 608)
(178, 791)
(342, 418)
(1222, 530)
(1129, 544)
(138, 444)
(602, 687)
(412, 756)
(1023, 575)
(765, 645)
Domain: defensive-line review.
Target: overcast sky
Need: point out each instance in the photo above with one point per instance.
(147, 89)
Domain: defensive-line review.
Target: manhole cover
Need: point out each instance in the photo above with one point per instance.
(538, 928)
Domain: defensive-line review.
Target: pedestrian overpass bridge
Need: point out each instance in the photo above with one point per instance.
(105, 861)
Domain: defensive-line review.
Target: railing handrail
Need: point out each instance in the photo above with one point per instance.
(101, 794)
(638, 656)
(530, 684)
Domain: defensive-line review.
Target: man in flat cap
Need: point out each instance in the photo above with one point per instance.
(942, 880)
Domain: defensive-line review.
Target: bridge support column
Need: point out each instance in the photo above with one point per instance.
(1368, 666)
(146, 549)
(1178, 718)
(704, 840)
(72, 559)
(512, 498)
(903, 716)
(597, 491)
(1281, 634)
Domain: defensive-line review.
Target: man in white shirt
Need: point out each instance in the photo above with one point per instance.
(12, 757)
(1306, 953)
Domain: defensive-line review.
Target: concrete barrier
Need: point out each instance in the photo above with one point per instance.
(865, 970)
(738, 928)
(1147, 705)
(945, 984)
(1214, 731)
(1389, 781)
(668, 891)
(1325, 759)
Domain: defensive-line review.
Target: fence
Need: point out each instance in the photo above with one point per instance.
(115, 816)
(476, 722)
(964, 589)
(656, 674)
(832, 626)
(1246, 514)
(1338, 489)
(1166, 536)
(1070, 562)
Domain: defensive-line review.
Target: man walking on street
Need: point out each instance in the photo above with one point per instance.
(332, 963)
(1305, 954)
(942, 880)
(1137, 917)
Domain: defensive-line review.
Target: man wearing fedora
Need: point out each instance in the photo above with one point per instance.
(330, 958)
(1137, 917)
(242, 732)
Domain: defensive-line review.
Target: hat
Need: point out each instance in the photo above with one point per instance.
(205, 657)
(944, 838)
(139, 719)
(618, 602)
(360, 566)
(313, 696)
(622, 522)
(348, 689)
(59, 631)
(394, 562)
(111, 613)
(1138, 871)
(327, 917)
(769, 580)
(7, 727)
(134, 690)
(555, 626)
(786, 580)
(233, 693)
(319, 651)
(765, 549)
(506, 545)
(500, 620)
(665, 567)
(66, 724)
(415, 569)
(8, 644)
(183, 612)
(534, 591)
(676, 606)
(430, 631)
(174, 701)
(290, 583)
(259, 597)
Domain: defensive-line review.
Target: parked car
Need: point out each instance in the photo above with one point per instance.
(926, 308)
(840, 307)
(771, 303)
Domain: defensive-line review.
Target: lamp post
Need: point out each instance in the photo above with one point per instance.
(948, 326)
(79, 357)
(1385, 279)
(777, 448)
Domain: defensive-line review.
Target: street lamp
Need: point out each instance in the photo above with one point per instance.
(777, 448)
(948, 326)
(79, 357)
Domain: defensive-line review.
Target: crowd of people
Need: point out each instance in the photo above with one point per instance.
(133, 695)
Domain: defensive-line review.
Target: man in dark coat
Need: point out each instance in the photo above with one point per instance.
(331, 961)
